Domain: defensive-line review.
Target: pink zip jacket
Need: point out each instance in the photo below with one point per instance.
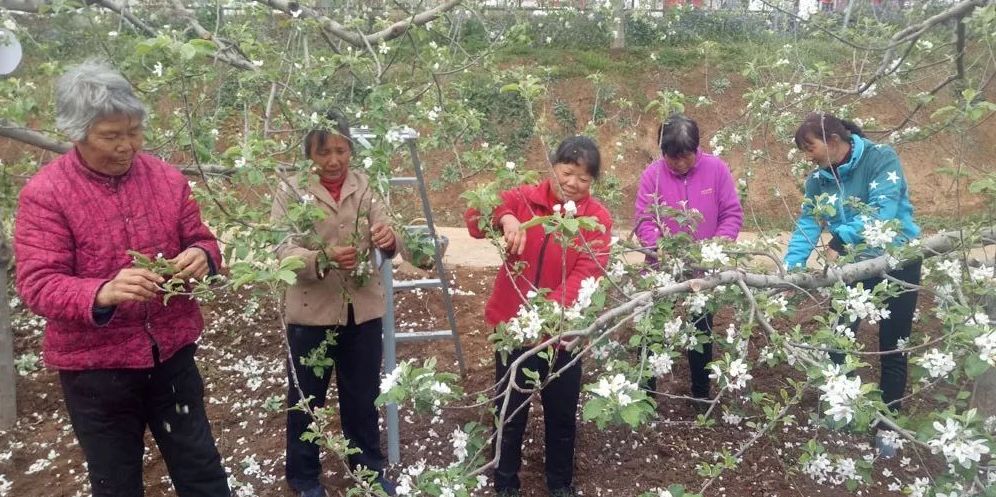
(73, 229)
(707, 187)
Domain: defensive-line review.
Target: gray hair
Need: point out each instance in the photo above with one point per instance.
(90, 91)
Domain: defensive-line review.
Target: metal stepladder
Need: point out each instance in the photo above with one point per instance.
(441, 281)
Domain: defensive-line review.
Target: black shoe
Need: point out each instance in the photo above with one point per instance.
(700, 405)
(563, 492)
(388, 485)
(318, 491)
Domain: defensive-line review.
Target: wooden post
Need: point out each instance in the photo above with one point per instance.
(8, 376)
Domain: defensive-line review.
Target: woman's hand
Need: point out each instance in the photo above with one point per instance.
(515, 236)
(191, 263)
(382, 236)
(343, 257)
(131, 283)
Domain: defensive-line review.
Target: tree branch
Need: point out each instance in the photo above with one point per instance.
(360, 40)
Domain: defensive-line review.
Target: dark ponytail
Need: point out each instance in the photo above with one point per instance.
(821, 126)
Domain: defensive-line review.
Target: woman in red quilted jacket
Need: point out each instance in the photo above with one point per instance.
(125, 359)
(537, 260)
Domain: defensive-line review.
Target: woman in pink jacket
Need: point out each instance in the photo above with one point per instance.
(125, 358)
(686, 178)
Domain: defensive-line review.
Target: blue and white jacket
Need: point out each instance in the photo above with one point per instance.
(872, 175)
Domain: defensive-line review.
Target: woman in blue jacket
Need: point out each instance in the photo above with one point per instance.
(852, 166)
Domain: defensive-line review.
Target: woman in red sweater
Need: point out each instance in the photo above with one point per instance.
(537, 260)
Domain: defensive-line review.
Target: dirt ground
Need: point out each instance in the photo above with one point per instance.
(241, 359)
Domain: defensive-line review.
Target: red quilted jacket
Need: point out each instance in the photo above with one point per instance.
(71, 234)
(544, 259)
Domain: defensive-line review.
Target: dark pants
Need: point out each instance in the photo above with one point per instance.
(560, 405)
(697, 361)
(110, 408)
(898, 325)
(357, 357)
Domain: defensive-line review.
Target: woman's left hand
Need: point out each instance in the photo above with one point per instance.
(382, 236)
(191, 263)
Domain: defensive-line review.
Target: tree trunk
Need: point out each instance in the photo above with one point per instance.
(619, 25)
(984, 393)
(8, 376)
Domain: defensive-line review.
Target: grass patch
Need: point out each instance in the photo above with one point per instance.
(569, 63)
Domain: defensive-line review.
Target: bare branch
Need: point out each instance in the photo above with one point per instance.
(35, 6)
(359, 40)
(45, 142)
(227, 51)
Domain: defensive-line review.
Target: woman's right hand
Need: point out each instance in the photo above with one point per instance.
(343, 257)
(515, 236)
(131, 283)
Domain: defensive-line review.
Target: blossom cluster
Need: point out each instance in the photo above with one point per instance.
(861, 305)
(736, 376)
(841, 393)
(617, 388)
(879, 233)
(957, 443)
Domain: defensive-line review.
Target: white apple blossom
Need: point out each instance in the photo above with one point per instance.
(307, 198)
(938, 364)
(459, 438)
(859, 305)
(987, 347)
(713, 253)
(841, 393)
(618, 388)
(878, 233)
(660, 364)
(732, 419)
(982, 273)
(157, 69)
(892, 439)
(957, 443)
(434, 114)
(440, 388)
(672, 328)
(368, 162)
(951, 268)
(240, 163)
(737, 374)
(390, 380)
(818, 468)
(919, 487)
(697, 302)
(570, 208)
(526, 325)
(510, 165)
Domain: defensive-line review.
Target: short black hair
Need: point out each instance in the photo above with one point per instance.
(317, 137)
(678, 136)
(579, 150)
(821, 126)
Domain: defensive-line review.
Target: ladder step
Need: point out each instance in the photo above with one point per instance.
(404, 181)
(410, 284)
(414, 336)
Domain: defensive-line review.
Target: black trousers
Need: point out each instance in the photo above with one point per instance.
(110, 408)
(697, 361)
(898, 325)
(560, 405)
(357, 358)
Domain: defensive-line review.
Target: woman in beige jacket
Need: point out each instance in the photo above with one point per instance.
(334, 310)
